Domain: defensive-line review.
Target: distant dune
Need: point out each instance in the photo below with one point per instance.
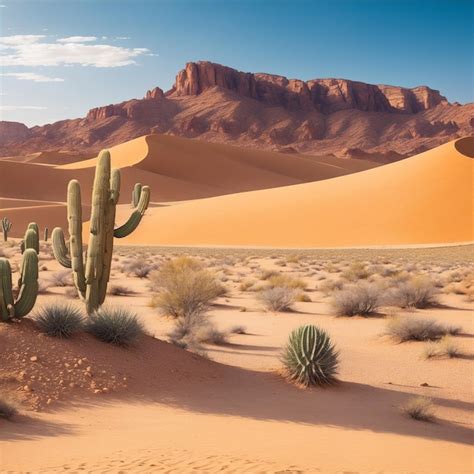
(177, 169)
(426, 199)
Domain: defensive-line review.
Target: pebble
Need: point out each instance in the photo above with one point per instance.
(33, 358)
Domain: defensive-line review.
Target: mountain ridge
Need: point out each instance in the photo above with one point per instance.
(220, 104)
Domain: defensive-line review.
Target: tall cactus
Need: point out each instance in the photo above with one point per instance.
(92, 275)
(309, 357)
(22, 304)
(6, 226)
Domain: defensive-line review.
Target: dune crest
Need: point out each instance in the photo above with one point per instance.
(426, 199)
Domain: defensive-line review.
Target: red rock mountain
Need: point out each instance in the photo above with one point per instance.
(220, 104)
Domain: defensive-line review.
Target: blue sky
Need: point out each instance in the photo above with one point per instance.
(61, 58)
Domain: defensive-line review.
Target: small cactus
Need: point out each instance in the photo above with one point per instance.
(6, 226)
(19, 306)
(309, 357)
(31, 239)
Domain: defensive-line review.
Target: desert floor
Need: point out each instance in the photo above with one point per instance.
(157, 408)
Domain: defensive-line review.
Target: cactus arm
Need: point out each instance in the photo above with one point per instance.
(6, 295)
(31, 238)
(137, 190)
(74, 216)
(136, 216)
(29, 284)
(59, 247)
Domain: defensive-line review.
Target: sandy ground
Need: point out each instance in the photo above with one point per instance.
(237, 414)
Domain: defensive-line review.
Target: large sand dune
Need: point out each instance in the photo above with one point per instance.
(426, 199)
(177, 169)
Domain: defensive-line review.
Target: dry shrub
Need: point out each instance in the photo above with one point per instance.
(419, 408)
(356, 271)
(184, 287)
(120, 290)
(277, 299)
(444, 348)
(362, 299)
(286, 281)
(266, 274)
(417, 292)
(138, 267)
(61, 278)
(409, 328)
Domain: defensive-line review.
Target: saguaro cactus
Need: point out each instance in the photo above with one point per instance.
(6, 226)
(92, 275)
(31, 239)
(11, 307)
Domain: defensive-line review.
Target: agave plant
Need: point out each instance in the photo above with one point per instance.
(310, 357)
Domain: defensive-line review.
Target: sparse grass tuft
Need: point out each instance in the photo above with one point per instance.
(115, 325)
(362, 299)
(286, 281)
(59, 320)
(419, 408)
(238, 330)
(120, 290)
(409, 328)
(8, 409)
(61, 278)
(277, 299)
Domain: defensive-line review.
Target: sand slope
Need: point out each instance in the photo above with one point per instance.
(425, 199)
(177, 169)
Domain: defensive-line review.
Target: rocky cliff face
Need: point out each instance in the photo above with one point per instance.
(220, 104)
(325, 95)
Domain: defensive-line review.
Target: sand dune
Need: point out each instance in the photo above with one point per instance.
(177, 169)
(425, 199)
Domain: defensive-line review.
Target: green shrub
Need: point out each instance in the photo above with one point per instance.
(115, 325)
(309, 357)
(59, 320)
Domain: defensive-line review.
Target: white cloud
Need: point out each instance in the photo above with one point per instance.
(31, 76)
(77, 39)
(29, 50)
(21, 107)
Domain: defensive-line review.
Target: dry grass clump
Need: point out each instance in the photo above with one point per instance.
(286, 281)
(356, 271)
(419, 408)
(115, 325)
(362, 299)
(329, 286)
(417, 292)
(59, 320)
(238, 330)
(120, 290)
(61, 278)
(444, 348)
(266, 274)
(409, 328)
(8, 409)
(277, 299)
(246, 285)
(303, 297)
(184, 287)
(138, 267)
(193, 330)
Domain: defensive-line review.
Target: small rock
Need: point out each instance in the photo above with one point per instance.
(49, 401)
(97, 390)
(33, 358)
(424, 384)
(27, 388)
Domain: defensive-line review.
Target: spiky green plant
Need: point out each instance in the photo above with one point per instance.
(31, 238)
(91, 275)
(19, 306)
(6, 226)
(309, 357)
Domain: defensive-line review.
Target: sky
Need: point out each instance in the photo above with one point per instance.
(60, 58)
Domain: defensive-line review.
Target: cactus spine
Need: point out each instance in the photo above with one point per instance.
(11, 307)
(310, 357)
(6, 226)
(92, 275)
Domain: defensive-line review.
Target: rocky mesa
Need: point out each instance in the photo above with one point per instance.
(220, 104)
